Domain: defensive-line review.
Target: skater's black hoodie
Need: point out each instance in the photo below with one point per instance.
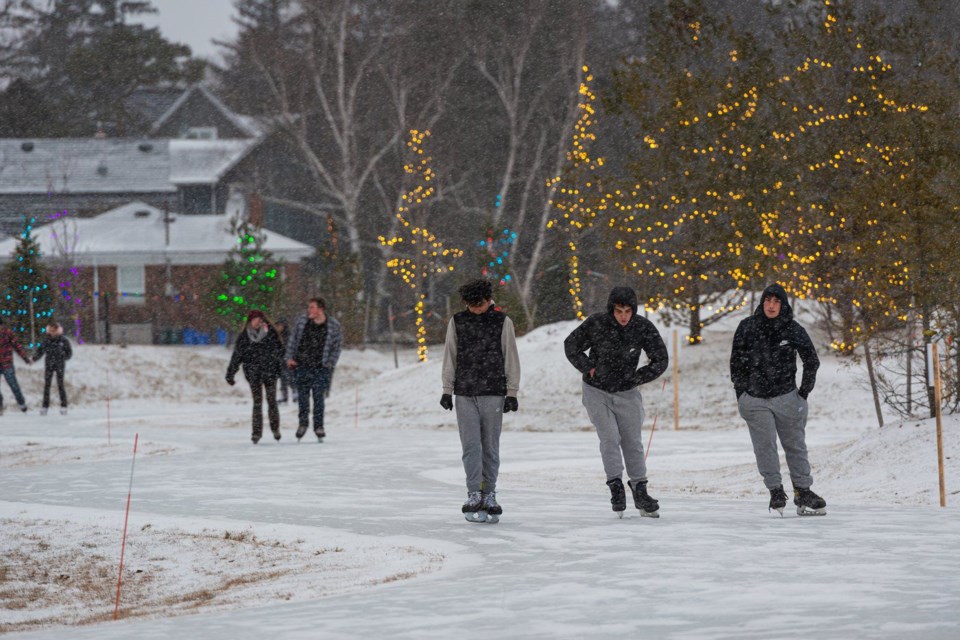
(614, 349)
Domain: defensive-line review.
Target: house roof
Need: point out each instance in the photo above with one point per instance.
(150, 103)
(205, 161)
(250, 125)
(135, 234)
(84, 165)
(114, 165)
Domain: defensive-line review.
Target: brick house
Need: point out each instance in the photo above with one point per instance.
(143, 275)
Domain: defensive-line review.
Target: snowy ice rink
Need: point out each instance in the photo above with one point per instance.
(361, 536)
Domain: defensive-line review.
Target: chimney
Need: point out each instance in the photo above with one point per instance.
(255, 209)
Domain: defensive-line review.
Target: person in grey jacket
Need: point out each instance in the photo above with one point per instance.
(613, 402)
(763, 367)
(481, 367)
(312, 353)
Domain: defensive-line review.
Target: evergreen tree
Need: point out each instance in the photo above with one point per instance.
(28, 302)
(249, 278)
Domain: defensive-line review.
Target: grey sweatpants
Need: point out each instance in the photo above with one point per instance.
(479, 419)
(784, 416)
(617, 418)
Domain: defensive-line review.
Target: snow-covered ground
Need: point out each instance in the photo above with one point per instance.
(362, 536)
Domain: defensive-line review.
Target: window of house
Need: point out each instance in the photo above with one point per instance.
(131, 284)
(201, 133)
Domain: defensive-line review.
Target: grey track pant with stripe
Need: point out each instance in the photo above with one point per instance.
(617, 418)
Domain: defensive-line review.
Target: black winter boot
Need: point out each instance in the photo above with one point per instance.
(642, 500)
(778, 499)
(808, 503)
(618, 495)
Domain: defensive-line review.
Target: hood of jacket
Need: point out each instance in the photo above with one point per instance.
(623, 296)
(786, 311)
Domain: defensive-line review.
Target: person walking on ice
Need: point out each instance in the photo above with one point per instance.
(9, 344)
(611, 395)
(56, 349)
(260, 352)
(763, 367)
(481, 367)
(312, 353)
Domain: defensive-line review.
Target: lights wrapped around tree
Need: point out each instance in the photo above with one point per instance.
(27, 303)
(425, 254)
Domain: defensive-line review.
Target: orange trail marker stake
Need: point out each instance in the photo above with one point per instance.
(126, 518)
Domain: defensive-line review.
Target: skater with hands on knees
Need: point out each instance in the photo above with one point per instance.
(606, 349)
(259, 351)
(763, 367)
(56, 349)
(481, 378)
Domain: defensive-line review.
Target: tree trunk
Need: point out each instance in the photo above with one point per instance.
(873, 381)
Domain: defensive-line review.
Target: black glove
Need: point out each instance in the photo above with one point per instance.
(231, 381)
(510, 404)
(446, 401)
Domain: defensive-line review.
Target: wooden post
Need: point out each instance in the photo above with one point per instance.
(936, 395)
(676, 382)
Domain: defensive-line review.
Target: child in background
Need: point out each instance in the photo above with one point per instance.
(56, 348)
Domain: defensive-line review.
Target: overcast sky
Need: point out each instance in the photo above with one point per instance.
(194, 22)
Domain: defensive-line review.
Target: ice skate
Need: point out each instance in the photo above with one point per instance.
(473, 508)
(618, 496)
(276, 434)
(494, 510)
(301, 430)
(649, 508)
(63, 411)
(43, 411)
(321, 434)
(778, 499)
(808, 503)
(255, 438)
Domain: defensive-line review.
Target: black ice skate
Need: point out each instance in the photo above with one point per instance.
(778, 499)
(302, 429)
(473, 508)
(321, 434)
(808, 503)
(493, 510)
(618, 496)
(649, 508)
(276, 434)
(255, 438)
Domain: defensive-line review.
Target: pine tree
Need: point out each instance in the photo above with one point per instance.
(27, 304)
(249, 278)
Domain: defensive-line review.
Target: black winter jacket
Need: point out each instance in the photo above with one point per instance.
(57, 351)
(615, 350)
(260, 360)
(763, 362)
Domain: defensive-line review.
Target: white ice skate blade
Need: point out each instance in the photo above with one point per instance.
(780, 510)
(493, 518)
(807, 511)
(619, 514)
(649, 514)
(475, 516)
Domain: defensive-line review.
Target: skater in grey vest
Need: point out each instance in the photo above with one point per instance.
(481, 368)
(763, 367)
(611, 396)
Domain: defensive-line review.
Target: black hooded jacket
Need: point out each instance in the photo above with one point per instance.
(763, 362)
(615, 350)
(261, 360)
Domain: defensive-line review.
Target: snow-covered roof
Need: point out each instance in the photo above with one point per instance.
(114, 165)
(84, 165)
(136, 234)
(205, 161)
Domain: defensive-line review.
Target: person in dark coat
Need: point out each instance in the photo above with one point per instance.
(763, 367)
(260, 352)
(312, 354)
(9, 344)
(56, 349)
(614, 339)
